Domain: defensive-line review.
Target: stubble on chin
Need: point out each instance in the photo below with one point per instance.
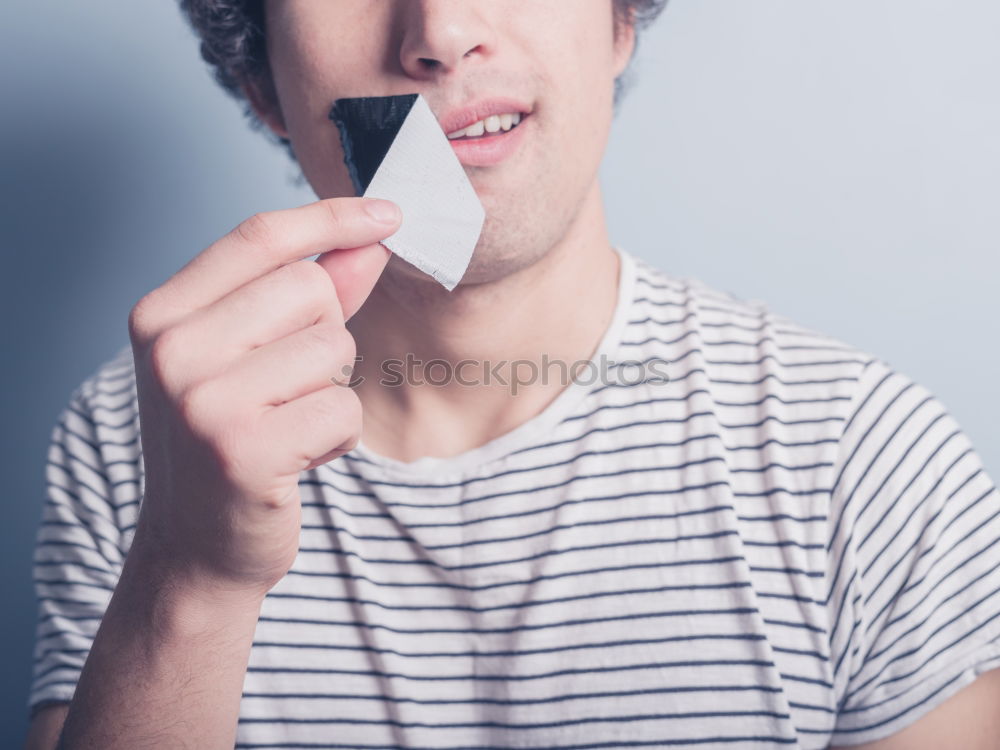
(518, 235)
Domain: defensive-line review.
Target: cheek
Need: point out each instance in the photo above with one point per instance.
(312, 67)
(581, 71)
(316, 142)
(583, 111)
(323, 166)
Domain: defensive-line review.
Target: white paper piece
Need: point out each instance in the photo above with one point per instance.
(442, 215)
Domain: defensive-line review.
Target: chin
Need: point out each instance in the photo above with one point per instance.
(511, 245)
(494, 259)
(487, 266)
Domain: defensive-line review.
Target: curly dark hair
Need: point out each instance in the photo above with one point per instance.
(233, 43)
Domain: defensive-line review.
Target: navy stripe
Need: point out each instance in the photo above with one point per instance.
(518, 582)
(71, 602)
(104, 442)
(99, 391)
(702, 323)
(657, 303)
(653, 423)
(574, 459)
(94, 423)
(665, 742)
(43, 686)
(332, 646)
(525, 558)
(341, 530)
(479, 677)
(518, 701)
(644, 279)
(55, 668)
(64, 651)
(371, 482)
(587, 499)
(76, 545)
(627, 718)
(720, 381)
(510, 538)
(65, 582)
(701, 391)
(514, 605)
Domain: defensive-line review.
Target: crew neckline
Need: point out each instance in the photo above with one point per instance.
(503, 445)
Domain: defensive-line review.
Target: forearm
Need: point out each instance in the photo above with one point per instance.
(166, 668)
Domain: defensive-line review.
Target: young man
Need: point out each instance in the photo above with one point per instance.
(774, 540)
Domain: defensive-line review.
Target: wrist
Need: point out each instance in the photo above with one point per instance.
(177, 602)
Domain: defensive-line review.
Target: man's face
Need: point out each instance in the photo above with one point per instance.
(553, 60)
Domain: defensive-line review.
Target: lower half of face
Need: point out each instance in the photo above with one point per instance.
(556, 57)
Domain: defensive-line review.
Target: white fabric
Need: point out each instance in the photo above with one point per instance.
(789, 544)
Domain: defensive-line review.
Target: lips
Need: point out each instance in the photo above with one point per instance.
(488, 149)
(457, 119)
(492, 124)
(491, 149)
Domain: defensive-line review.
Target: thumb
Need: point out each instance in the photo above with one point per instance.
(354, 272)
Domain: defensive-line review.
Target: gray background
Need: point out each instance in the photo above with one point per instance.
(840, 161)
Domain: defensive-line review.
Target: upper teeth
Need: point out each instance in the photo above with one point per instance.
(491, 124)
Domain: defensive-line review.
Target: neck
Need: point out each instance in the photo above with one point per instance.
(556, 310)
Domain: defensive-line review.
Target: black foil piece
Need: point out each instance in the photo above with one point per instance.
(368, 125)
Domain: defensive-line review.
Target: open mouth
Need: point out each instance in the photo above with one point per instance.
(489, 126)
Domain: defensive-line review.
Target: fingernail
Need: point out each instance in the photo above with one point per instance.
(386, 212)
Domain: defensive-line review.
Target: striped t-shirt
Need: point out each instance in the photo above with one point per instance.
(784, 542)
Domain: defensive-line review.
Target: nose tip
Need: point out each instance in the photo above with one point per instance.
(433, 64)
(442, 35)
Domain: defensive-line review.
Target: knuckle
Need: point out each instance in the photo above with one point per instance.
(340, 407)
(318, 338)
(164, 352)
(309, 285)
(257, 230)
(229, 450)
(350, 444)
(140, 320)
(278, 501)
(334, 341)
(195, 405)
(312, 278)
(346, 346)
(351, 416)
(336, 219)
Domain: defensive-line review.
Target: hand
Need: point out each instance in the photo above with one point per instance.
(234, 357)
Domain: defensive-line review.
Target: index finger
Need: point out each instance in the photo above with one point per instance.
(269, 240)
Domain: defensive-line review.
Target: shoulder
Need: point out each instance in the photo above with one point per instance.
(724, 317)
(113, 379)
(105, 405)
(740, 353)
(95, 449)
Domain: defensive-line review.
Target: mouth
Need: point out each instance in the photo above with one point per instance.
(490, 141)
(487, 132)
(487, 127)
